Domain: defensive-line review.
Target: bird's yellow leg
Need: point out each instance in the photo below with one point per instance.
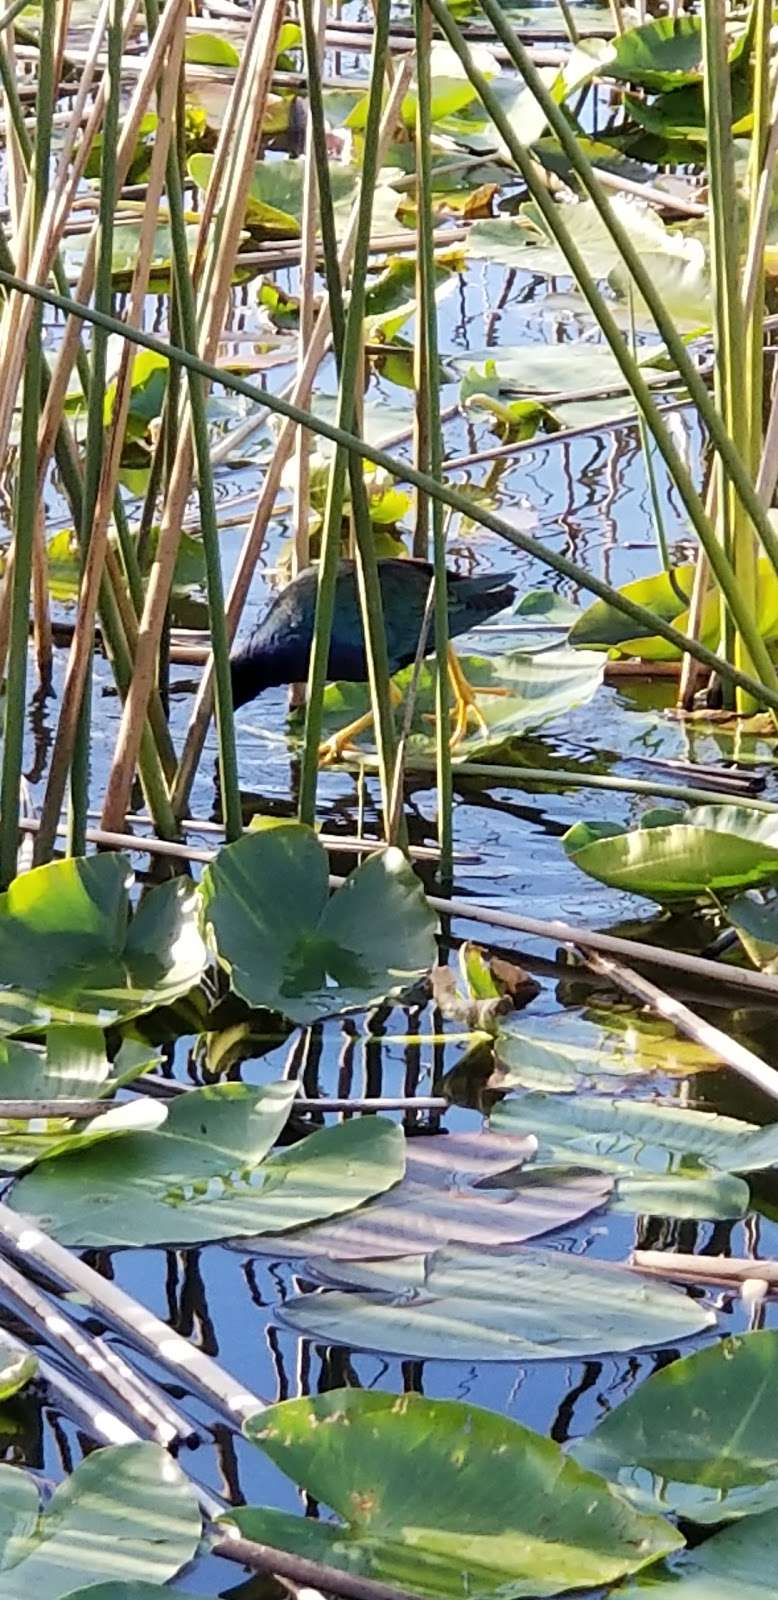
(332, 749)
(465, 709)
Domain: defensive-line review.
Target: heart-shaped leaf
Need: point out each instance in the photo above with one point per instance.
(697, 1438)
(445, 1499)
(291, 946)
(70, 952)
(127, 1509)
(534, 1305)
(206, 1174)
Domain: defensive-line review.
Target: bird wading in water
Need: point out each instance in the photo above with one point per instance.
(278, 651)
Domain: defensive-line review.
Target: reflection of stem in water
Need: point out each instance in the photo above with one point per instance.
(277, 1358)
(349, 1035)
(229, 1471)
(561, 1426)
(412, 1376)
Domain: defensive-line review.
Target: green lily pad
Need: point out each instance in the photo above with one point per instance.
(569, 1051)
(663, 54)
(709, 849)
(654, 1151)
(70, 952)
(536, 686)
(72, 1066)
(756, 923)
(275, 202)
(17, 1369)
(206, 1174)
(533, 1305)
(736, 1564)
(445, 1499)
(210, 50)
(291, 946)
(126, 1509)
(697, 1438)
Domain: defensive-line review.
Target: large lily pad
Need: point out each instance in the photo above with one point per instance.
(570, 1050)
(445, 1499)
(663, 54)
(737, 1564)
(203, 1175)
(440, 1201)
(698, 1437)
(70, 952)
(275, 201)
(534, 1305)
(653, 1151)
(680, 855)
(125, 1511)
(533, 688)
(667, 595)
(290, 945)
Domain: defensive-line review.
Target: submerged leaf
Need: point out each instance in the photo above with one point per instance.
(652, 1150)
(445, 1499)
(570, 1050)
(441, 1201)
(533, 1305)
(206, 1174)
(698, 1437)
(124, 1510)
(291, 946)
(17, 1369)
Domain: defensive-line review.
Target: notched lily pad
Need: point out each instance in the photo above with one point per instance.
(291, 946)
(680, 856)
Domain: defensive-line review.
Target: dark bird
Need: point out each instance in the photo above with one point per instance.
(278, 650)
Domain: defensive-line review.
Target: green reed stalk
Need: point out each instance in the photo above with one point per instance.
(721, 566)
(368, 579)
(428, 312)
(209, 527)
(745, 555)
(640, 273)
(404, 472)
(367, 569)
(95, 428)
(26, 508)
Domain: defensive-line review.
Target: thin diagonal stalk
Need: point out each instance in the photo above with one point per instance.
(26, 501)
(333, 513)
(721, 566)
(405, 473)
(252, 546)
(637, 267)
(95, 428)
(234, 198)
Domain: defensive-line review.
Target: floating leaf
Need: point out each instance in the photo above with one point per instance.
(537, 686)
(663, 54)
(533, 1305)
(737, 1564)
(698, 1437)
(126, 1509)
(570, 1050)
(275, 202)
(291, 946)
(17, 1369)
(205, 1174)
(445, 1499)
(756, 922)
(209, 50)
(649, 1148)
(70, 952)
(440, 1202)
(709, 849)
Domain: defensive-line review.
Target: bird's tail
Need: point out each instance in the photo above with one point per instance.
(485, 595)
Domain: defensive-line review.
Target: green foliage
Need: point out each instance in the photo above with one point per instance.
(568, 1051)
(126, 1510)
(205, 1173)
(444, 1499)
(696, 1438)
(17, 1369)
(289, 945)
(275, 203)
(680, 855)
(71, 952)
